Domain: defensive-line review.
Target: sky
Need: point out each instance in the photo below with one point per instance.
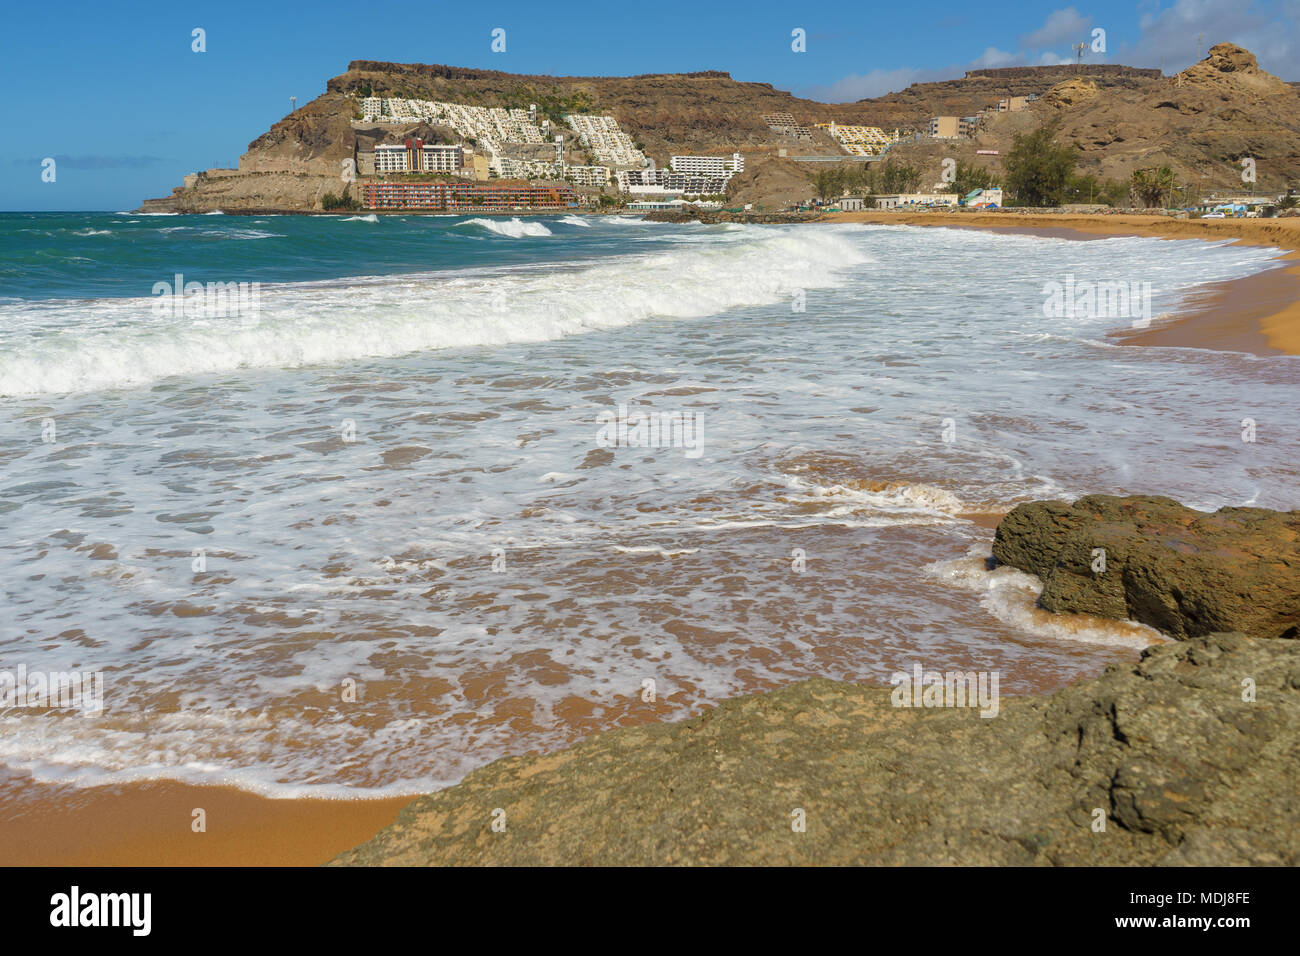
(116, 95)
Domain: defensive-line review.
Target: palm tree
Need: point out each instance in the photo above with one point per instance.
(1154, 185)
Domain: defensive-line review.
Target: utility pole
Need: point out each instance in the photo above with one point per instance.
(293, 103)
(1199, 38)
(1078, 55)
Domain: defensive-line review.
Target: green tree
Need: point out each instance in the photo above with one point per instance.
(896, 177)
(1038, 169)
(344, 201)
(968, 177)
(1153, 186)
(829, 183)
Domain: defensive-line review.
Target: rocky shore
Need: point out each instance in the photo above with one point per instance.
(1190, 756)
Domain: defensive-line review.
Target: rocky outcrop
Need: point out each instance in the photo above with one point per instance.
(1186, 757)
(1071, 93)
(1150, 559)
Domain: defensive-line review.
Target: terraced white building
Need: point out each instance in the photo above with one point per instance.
(607, 142)
(715, 166)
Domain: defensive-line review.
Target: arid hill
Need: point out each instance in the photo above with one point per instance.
(1202, 122)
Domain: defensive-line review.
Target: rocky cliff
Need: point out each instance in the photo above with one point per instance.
(1202, 122)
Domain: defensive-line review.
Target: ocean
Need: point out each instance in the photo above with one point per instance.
(393, 515)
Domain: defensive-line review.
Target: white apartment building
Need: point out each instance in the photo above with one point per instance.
(587, 175)
(441, 158)
(713, 166)
(629, 180)
(390, 158)
(689, 184)
(510, 168)
(433, 158)
(372, 106)
(601, 135)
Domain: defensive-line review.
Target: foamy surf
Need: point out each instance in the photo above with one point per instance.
(852, 498)
(369, 217)
(514, 228)
(1011, 596)
(121, 344)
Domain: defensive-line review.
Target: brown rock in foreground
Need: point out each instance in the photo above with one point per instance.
(1150, 559)
(1159, 762)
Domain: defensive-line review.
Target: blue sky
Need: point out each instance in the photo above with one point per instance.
(116, 95)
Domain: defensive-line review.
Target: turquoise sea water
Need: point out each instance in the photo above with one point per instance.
(391, 474)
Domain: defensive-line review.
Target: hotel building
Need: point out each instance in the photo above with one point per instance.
(416, 156)
(465, 196)
(714, 166)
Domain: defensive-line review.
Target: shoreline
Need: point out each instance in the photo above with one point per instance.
(1258, 313)
(149, 824)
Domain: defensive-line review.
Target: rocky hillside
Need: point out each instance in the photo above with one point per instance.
(1201, 122)
(979, 89)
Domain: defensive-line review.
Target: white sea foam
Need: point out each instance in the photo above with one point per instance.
(369, 217)
(515, 228)
(576, 221)
(242, 234)
(93, 232)
(1011, 596)
(121, 344)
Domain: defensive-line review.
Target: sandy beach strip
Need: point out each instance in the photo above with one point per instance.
(149, 824)
(1259, 314)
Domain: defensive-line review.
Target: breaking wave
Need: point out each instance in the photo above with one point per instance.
(515, 228)
(120, 343)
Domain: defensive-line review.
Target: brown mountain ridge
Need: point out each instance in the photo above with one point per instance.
(1202, 122)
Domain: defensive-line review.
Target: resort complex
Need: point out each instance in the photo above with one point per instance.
(467, 196)
(522, 146)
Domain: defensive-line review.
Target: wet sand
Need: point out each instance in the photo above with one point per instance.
(150, 825)
(1259, 314)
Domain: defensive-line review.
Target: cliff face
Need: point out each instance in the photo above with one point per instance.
(288, 168)
(1201, 122)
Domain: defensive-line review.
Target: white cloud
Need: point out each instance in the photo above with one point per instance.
(1268, 28)
(875, 83)
(1061, 26)
(1067, 24)
(992, 58)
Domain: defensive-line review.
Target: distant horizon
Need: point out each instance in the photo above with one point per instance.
(132, 108)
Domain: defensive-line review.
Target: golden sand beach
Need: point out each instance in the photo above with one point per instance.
(1259, 314)
(151, 824)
